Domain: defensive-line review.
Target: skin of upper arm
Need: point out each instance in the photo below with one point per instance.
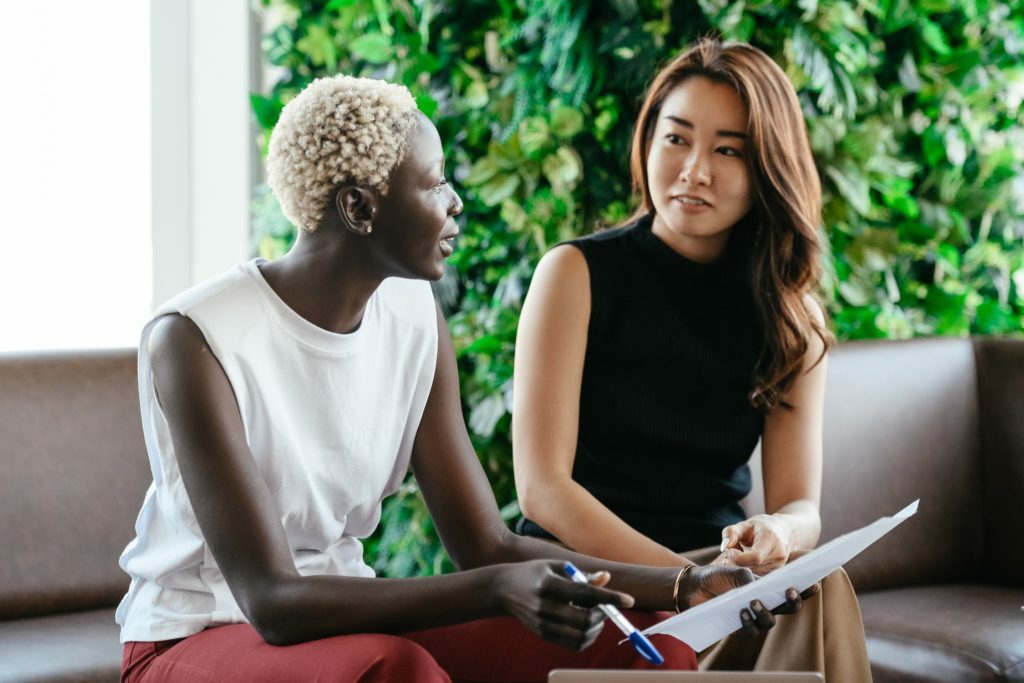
(551, 346)
(448, 472)
(792, 441)
(232, 504)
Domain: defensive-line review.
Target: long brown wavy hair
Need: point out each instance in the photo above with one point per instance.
(787, 244)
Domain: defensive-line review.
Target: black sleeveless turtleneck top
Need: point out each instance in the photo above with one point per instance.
(666, 428)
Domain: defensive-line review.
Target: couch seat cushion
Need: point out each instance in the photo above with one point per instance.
(81, 646)
(945, 633)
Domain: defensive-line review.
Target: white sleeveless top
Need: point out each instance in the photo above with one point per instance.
(330, 420)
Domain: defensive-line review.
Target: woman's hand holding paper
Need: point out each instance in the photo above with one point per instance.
(761, 544)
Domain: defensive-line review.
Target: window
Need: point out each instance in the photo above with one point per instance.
(75, 179)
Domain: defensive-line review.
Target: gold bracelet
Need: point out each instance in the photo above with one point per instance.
(675, 588)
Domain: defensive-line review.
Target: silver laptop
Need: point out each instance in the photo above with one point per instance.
(597, 676)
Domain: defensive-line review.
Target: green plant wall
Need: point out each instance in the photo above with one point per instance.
(915, 114)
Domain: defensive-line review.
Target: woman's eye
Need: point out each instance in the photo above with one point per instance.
(730, 152)
(674, 139)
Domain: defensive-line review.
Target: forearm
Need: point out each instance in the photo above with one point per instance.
(650, 586)
(804, 523)
(585, 524)
(298, 609)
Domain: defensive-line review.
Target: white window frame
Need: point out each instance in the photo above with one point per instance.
(205, 62)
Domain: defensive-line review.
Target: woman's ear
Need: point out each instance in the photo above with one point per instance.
(356, 207)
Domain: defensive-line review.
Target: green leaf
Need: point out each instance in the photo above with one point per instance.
(426, 104)
(485, 415)
(485, 344)
(372, 47)
(477, 96)
(267, 110)
(809, 7)
(956, 146)
(908, 75)
(533, 135)
(853, 186)
(318, 44)
(498, 188)
(856, 292)
(566, 122)
(934, 37)
(995, 318)
(482, 171)
(947, 254)
(563, 169)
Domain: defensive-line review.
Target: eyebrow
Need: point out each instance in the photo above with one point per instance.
(720, 133)
(436, 165)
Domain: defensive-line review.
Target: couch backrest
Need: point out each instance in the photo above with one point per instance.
(74, 472)
(901, 422)
(1001, 409)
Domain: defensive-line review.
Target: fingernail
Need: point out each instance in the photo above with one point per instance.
(725, 542)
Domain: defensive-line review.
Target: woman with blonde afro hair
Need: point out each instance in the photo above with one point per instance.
(284, 400)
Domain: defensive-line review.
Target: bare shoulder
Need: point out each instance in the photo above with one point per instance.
(174, 337)
(181, 357)
(816, 347)
(560, 287)
(814, 309)
(564, 264)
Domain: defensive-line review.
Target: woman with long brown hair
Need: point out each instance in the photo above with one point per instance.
(653, 357)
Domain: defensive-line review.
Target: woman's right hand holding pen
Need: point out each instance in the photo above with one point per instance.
(540, 595)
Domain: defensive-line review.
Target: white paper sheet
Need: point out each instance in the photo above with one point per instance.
(707, 623)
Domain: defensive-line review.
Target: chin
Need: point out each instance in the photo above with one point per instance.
(688, 229)
(430, 272)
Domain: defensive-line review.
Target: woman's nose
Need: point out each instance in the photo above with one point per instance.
(456, 206)
(695, 170)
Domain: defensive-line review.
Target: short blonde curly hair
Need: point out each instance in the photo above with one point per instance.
(338, 130)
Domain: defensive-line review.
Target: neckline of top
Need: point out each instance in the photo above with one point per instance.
(670, 258)
(303, 330)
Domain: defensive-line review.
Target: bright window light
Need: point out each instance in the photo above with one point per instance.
(75, 175)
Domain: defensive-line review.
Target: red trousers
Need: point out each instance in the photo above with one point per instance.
(496, 650)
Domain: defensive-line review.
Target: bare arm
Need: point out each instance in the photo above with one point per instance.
(239, 522)
(550, 349)
(791, 453)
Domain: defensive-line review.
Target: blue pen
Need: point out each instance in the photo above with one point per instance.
(643, 646)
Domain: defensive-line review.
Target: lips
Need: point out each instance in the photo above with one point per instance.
(690, 200)
(447, 242)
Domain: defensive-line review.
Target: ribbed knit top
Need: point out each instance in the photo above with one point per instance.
(666, 428)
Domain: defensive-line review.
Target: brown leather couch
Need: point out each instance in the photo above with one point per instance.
(938, 419)
(941, 420)
(73, 472)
